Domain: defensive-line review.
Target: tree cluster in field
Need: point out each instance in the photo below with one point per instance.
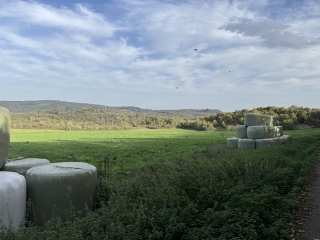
(286, 117)
(114, 119)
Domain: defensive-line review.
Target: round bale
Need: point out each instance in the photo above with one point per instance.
(280, 131)
(13, 193)
(4, 135)
(254, 119)
(277, 141)
(256, 132)
(246, 144)
(53, 188)
(263, 143)
(22, 165)
(232, 142)
(272, 131)
(241, 131)
(286, 138)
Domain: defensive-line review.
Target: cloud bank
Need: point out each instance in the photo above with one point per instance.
(273, 34)
(248, 53)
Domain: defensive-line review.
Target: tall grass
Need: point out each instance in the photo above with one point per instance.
(216, 193)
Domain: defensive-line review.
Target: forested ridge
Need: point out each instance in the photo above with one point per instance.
(31, 106)
(108, 119)
(115, 119)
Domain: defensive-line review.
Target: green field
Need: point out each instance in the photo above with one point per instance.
(212, 192)
(127, 149)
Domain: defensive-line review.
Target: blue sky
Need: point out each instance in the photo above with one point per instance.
(141, 53)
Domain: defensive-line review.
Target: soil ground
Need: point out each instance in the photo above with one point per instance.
(307, 224)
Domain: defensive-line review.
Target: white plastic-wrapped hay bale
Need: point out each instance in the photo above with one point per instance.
(256, 132)
(246, 143)
(286, 138)
(274, 120)
(263, 143)
(4, 135)
(272, 131)
(277, 140)
(13, 193)
(22, 165)
(281, 139)
(53, 187)
(254, 119)
(280, 131)
(241, 131)
(232, 142)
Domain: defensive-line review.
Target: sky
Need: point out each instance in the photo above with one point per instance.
(162, 54)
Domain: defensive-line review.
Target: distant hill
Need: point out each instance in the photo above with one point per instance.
(30, 106)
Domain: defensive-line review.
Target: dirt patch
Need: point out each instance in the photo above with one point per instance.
(307, 223)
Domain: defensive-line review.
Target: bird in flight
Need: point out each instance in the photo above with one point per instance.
(177, 87)
(195, 49)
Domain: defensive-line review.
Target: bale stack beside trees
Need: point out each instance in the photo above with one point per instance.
(257, 132)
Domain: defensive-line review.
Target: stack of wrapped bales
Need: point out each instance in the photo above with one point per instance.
(50, 187)
(257, 132)
(12, 185)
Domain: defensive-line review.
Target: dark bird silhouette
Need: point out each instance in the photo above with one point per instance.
(229, 71)
(177, 87)
(195, 49)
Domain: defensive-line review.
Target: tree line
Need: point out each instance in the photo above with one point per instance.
(286, 117)
(111, 119)
(92, 119)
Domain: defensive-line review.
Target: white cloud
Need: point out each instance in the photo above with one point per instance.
(81, 19)
(145, 48)
(273, 34)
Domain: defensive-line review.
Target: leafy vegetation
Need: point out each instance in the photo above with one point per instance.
(286, 117)
(215, 193)
(109, 119)
(133, 118)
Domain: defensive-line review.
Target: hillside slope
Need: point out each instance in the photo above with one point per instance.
(30, 106)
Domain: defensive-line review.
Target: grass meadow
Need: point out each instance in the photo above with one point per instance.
(127, 149)
(180, 184)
